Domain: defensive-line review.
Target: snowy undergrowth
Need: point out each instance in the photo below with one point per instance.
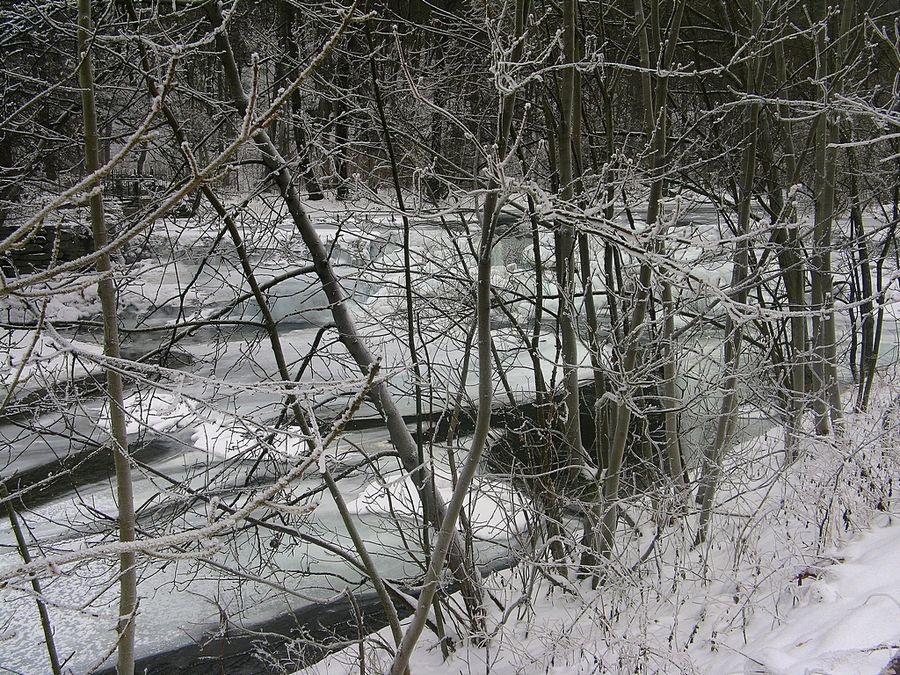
(800, 575)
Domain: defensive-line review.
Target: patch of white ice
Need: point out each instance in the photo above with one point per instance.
(155, 411)
(494, 508)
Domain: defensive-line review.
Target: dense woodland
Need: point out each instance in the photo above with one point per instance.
(570, 245)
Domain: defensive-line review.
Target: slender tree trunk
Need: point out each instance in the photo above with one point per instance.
(671, 400)
(310, 182)
(342, 135)
(485, 381)
(784, 222)
(50, 160)
(881, 292)
(600, 450)
(610, 255)
(654, 105)
(551, 513)
(791, 260)
(295, 119)
(866, 289)
(10, 179)
(565, 254)
(828, 394)
(44, 615)
(583, 472)
(425, 495)
(552, 132)
(106, 290)
(712, 466)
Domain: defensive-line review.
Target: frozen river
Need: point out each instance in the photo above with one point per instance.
(195, 426)
(196, 423)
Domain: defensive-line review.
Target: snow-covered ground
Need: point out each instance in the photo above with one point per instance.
(801, 576)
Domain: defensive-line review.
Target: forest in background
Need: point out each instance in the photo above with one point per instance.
(572, 247)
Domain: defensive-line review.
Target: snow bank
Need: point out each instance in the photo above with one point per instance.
(224, 438)
(72, 305)
(32, 360)
(801, 575)
(846, 618)
(154, 411)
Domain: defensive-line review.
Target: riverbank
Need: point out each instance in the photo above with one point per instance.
(799, 576)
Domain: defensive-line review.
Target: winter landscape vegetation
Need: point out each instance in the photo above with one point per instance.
(476, 336)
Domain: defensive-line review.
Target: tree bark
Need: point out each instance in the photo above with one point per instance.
(44, 615)
(712, 466)
(654, 106)
(485, 382)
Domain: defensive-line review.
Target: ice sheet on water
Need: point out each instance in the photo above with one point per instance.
(494, 508)
(153, 410)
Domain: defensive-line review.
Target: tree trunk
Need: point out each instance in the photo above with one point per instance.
(712, 466)
(654, 121)
(295, 119)
(828, 395)
(341, 114)
(22, 546)
(108, 301)
(447, 531)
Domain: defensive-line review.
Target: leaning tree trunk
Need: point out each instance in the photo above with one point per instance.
(271, 328)
(343, 319)
(39, 599)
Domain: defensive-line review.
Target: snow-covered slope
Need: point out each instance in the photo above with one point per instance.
(801, 575)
